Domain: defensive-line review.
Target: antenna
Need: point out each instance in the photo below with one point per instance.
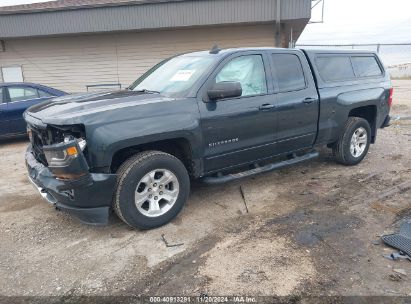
(215, 49)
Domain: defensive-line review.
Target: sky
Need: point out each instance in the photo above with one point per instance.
(364, 21)
(360, 21)
(351, 21)
(16, 2)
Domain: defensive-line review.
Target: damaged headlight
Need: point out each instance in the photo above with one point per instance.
(82, 143)
(66, 159)
(60, 158)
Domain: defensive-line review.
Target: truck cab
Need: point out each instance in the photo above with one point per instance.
(276, 113)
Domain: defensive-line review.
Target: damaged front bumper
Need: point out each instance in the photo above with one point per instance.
(88, 197)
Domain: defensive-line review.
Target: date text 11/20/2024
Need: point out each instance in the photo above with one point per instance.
(203, 299)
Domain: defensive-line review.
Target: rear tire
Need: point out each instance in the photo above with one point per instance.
(152, 188)
(354, 143)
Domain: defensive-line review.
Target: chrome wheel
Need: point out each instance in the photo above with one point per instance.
(157, 192)
(358, 142)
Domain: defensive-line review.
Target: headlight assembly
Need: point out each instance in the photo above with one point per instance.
(66, 160)
(60, 158)
(82, 143)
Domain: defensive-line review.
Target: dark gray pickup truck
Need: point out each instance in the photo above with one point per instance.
(216, 115)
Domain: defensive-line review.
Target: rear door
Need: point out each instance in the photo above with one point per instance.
(20, 98)
(297, 102)
(4, 123)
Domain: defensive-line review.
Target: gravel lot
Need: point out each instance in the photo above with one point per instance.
(308, 229)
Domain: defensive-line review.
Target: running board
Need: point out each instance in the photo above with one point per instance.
(230, 177)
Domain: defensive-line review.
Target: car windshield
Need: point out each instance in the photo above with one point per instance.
(174, 76)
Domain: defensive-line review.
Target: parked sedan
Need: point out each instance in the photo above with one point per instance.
(15, 98)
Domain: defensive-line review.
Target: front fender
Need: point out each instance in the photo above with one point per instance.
(129, 139)
(109, 138)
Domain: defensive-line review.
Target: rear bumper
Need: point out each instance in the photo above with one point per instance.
(387, 122)
(88, 198)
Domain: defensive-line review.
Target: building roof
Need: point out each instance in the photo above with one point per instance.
(71, 4)
(68, 17)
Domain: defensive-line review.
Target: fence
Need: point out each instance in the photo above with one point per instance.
(395, 56)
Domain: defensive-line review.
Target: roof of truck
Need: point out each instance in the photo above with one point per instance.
(308, 51)
(223, 52)
(335, 51)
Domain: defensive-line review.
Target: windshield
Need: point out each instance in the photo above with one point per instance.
(175, 76)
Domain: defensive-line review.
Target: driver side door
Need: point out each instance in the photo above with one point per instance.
(242, 129)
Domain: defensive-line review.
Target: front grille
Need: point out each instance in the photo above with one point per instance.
(49, 136)
(38, 141)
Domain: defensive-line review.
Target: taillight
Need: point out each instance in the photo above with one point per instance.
(390, 97)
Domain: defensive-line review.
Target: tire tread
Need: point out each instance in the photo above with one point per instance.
(122, 172)
(338, 148)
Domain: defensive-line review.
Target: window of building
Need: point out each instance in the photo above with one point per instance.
(22, 93)
(289, 72)
(12, 74)
(335, 68)
(247, 70)
(366, 66)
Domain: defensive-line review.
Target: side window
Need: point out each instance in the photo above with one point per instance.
(43, 94)
(335, 68)
(22, 93)
(249, 71)
(366, 66)
(2, 95)
(289, 72)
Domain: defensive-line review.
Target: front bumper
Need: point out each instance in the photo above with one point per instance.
(88, 198)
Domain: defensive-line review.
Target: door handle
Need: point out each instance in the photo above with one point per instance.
(309, 100)
(266, 107)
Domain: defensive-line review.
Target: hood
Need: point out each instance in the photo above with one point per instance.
(68, 108)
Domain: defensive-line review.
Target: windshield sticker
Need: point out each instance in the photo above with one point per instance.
(183, 75)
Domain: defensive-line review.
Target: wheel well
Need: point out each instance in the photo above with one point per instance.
(178, 147)
(369, 113)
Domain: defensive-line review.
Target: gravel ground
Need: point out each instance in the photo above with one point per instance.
(310, 229)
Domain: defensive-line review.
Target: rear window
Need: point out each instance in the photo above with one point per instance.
(43, 93)
(365, 66)
(335, 68)
(289, 71)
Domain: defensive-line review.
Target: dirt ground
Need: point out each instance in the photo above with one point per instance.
(310, 229)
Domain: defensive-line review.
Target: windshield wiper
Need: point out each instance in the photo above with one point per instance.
(147, 91)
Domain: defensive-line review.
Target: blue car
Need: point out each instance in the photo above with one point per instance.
(15, 98)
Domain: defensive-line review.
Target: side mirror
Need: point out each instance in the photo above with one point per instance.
(225, 89)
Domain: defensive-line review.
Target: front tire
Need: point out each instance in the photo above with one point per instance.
(152, 188)
(354, 143)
